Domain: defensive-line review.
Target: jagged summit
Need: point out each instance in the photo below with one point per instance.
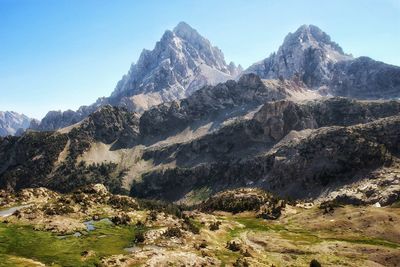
(311, 35)
(13, 123)
(311, 55)
(185, 31)
(182, 62)
(308, 52)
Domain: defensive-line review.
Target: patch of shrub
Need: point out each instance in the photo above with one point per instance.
(121, 219)
(272, 211)
(57, 209)
(240, 262)
(329, 206)
(152, 215)
(161, 206)
(190, 225)
(173, 232)
(315, 263)
(123, 202)
(238, 200)
(202, 245)
(214, 226)
(233, 246)
(139, 236)
(69, 176)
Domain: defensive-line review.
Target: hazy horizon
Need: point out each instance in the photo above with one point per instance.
(63, 54)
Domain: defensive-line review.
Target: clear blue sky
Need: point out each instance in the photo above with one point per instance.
(60, 54)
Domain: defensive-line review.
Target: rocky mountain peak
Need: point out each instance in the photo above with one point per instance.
(308, 52)
(186, 32)
(180, 63)
(13, 123)
(311, 35)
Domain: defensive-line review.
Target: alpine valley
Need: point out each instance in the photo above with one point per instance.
(191, 161)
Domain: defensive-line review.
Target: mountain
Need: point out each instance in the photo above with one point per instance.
(244, 133)
(13, 123)
(208, 169)
(232, 134)
(322, 65)
(113, 140)
(182, 62)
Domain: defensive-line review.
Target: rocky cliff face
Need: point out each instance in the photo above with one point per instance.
(313, 144)
(12, 123)
(331, 157)
(182, 62)
(309, 53)
(110, 125)
(212, 104)
(364, 78)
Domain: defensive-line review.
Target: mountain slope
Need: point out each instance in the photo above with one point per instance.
(12, 123)
(122, 136)
(310, 54)
(286, 146)
(181, 62)
(330, 143)
(214, 104)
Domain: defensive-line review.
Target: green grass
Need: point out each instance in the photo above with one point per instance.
(48, 248)
(255, 225)
(12, 261)
(368, 241)
(226, 257)
(300, 235)
(201, 194)
(396, 204)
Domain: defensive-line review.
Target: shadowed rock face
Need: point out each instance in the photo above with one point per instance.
(50, 158)
(270, 124)
(321, 64)
(209, 104)
(112, 125)
(330, 157)
(25, 160)
(244, 154)
(364, 78)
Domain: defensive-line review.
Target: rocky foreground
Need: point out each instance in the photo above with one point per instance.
(241, 227)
